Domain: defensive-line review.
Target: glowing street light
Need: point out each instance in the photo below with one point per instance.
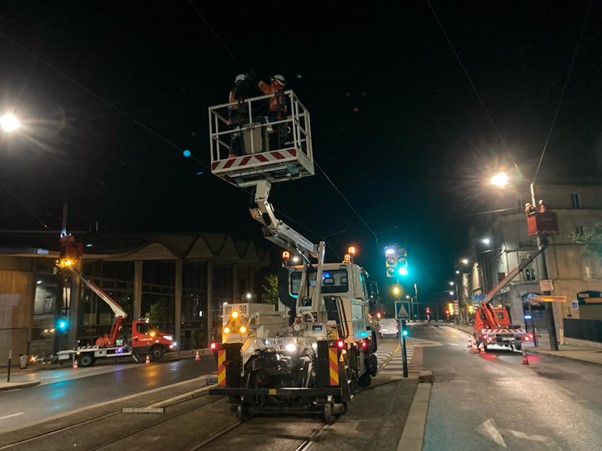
(500, 180)
(9, 122)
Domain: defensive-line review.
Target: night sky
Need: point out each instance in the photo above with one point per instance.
(112, 92)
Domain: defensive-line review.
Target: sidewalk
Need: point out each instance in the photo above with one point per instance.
(26, 377)
(590, 354)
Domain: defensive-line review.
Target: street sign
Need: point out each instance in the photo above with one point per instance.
(402, 310)
(545, 298)
(477, 297)
(546, 285)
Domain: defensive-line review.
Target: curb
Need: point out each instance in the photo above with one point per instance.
(4, 386)
(412, 438)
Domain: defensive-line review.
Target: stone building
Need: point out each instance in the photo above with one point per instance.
(179, 281)
(575, 275)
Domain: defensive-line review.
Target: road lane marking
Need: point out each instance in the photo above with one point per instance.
(489, 429)
(12, 415)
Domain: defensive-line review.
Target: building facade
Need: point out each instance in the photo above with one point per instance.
(573, 273)
(179, 281)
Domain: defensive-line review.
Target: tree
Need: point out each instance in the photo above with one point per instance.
(270, 289)
(591, 238)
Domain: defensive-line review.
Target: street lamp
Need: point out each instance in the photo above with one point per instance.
(9, 122)
(501, 180)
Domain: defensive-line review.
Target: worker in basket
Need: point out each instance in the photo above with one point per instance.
(278, 109)
(103, 342)
(238, 113)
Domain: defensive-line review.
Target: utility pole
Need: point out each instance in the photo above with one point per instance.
(542, 244)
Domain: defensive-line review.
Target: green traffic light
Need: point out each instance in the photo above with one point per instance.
(402, 271)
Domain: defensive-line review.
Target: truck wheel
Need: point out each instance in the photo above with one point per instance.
(156, 354)
(241, 413)
(86, 360)
(518, 347)
(328, 415)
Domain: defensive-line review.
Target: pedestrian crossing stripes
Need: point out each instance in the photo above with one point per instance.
(390, 360)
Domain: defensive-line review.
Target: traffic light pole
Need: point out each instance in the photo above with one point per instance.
(404, 354)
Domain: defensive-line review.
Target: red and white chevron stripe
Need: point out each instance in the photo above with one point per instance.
(502, 331)
(254, 160)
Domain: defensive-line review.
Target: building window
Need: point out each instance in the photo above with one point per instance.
(579, 230)
(575, 200)
(530, 274)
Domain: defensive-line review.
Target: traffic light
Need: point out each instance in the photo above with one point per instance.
(62, 324)
(390, 260)
(428, 310)
(404, 329)
(396, 261)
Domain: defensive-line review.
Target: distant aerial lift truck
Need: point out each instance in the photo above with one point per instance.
(144, 339)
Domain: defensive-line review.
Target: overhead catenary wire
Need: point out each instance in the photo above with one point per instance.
(145, 127)
(566, 82)
(315, 162)
(473, 86)
(97, 96)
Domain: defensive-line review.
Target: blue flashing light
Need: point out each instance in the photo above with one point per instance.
(186, 153)
(327, 275)
(528, 316)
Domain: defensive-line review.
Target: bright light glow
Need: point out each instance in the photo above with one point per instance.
(486, 241)
(407, 296)
(213, 345)
(389, 251)
(249, 295)
(464, 261)
(340, 343)
(451, 284)
(9, 122)
(234, 314)
(291, 347)
(403, 271)
(500, 180)
(396, 290)
(351, 250)
(168, 337)
(457, 271)
(243, 330)
(226, 330)
(451, 293)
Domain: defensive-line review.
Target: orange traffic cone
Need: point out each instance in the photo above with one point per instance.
(197, 356)
(481, 347)
(74, 363)
(473, 346)
(525, 358)
(469, 345)
(147, 359)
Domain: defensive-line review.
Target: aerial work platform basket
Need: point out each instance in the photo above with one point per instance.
(273, 147)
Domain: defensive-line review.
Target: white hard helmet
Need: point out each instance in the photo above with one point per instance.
(279, 79)
(240, 77)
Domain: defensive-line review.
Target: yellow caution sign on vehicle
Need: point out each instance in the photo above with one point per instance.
(333, 363)
(221, 367)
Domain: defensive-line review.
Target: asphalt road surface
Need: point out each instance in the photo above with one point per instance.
(493, 401)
